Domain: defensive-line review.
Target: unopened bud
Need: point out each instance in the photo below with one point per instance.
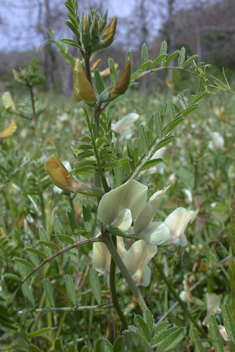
(85, 33)
(123, 81)
(103, 22)
(95, 65)
(8, 131)
(82, 87)
(106, 72)
(107, 37)
(9, 102)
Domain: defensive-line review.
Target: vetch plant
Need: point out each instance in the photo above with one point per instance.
(120, 228)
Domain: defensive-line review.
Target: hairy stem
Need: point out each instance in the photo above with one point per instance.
(37, 132)
(63, 250)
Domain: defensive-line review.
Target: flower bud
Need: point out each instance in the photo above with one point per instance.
(9, 102)
(82, 88)
(95, 64)
(8, 131)
(123, 81)
(106, 73)
(85, 32)
(60, 175)
(107, 37)
(103, 22)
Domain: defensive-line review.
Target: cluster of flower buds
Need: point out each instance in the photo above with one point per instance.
(90, 32)
(83, 90)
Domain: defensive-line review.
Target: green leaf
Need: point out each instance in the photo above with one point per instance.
(72, 348)
(95, 285)
(99, 84)
(49, 245)
(143, 139)
(28, 294)
(163, 51)
(173, 124)
(99, 345)
(129, 56)
(181, 57)
(196, 341)
(36, 251)
(144, 54)
(44, 237)
(72, 220)
(190, 59)
(157, 60)
(228, 322)
(12, 276)
(158, 338)
(215, 334)
(142, 327)
(72, 27)
(158, 328)
(71, 42)
(118, 175)
(198, 97)
(158, 124)
(171, 341)
(49, 292)
(171, 110)
(32, 255)
(65, 238)
(150, 163)
(38, 332)
(87, 219)
(163, 143)
(113, 72)
(70, 287)
(85, 349)
(33, 348)
(144, 65)
(24, 262)
(119, 344)
(58, 346)
(148, 318)
(171, 57)
(189, 109)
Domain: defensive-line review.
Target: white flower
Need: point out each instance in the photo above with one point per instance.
(101, 258)
(217, 141)
(121, 206)
(177, 222)
(125, 125)
(152, 232)
(136, 261)
(213, 303)
(188, 196)
(159, 168)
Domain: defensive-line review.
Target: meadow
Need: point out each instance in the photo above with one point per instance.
(174, 291)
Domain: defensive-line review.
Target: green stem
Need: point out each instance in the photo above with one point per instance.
(69, 309)
(112, 284)
(177, 297)
(61, 324)
(37, 132)
(136, 292)
(63, 250)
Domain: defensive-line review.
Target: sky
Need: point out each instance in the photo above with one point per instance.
(18, 31)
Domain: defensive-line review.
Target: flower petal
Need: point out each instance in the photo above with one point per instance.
(124, 125)
(101, 258)
(124, 220)
(147, 214)
(156, 233)
(131, 195)
(137, 259)
(177, 222)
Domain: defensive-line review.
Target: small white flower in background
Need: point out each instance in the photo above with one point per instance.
(125, 125)
(177, 222)
(217, 141)
(159, 168)
(188, 196)
(187, 296)
(153, 233)
(223, 333)
(172, 178)
(136, 261)
(213, 303)
(64, 117)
